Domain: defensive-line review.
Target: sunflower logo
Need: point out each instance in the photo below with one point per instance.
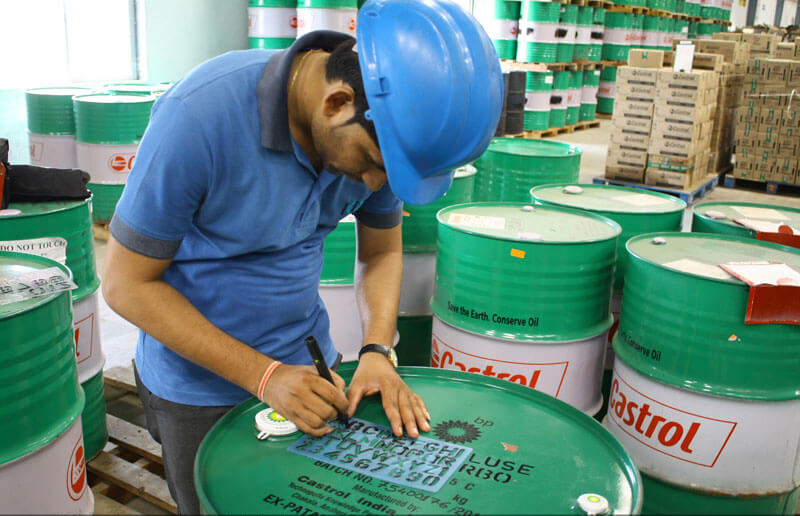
(274, 416)
(456, 432)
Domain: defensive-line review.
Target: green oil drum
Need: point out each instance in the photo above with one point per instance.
(493, 470)
(538, 88)
(136, 88)
(718, 392)
(538, 27)
(271, 24)
(336, 15)
(667, 29)
(558, 99)
(694, 324)
(598, 31)
(419, 221)
(636, 211)
(680, 29)
(680, 6)
(109, 128)
(607, 90)
(59, 230)
(510, 167)
(42, 397)
(591, 83)
(339, 254)
(692, 7)
(507, 269)
(637, 31)
(51, 125)
(669, 499)
(500, 19)
(93, 417)
(617, 36)
(652, 33)
(583, 40)
(692, 32)
(567, 33)
(574, 97)
(706, 30)
(414, 348)
(718, 217)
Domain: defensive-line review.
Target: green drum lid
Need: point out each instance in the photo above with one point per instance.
(339, 250)
(136, 88)
(718, 217)
(419, 221)
(104, 200)
(636, 211)
(106, 118)
(505, 473)
(49, 110)
(93, 417)
(669, 499)
(39, 389)
(272, 3)
(70, 220)
(327, 4)
(414, 348)
(683, 318)
(512, 271)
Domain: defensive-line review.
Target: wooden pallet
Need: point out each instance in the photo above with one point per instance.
(603, 116)
(129, 471)
(716, 22)
(688, 195)
(100, 230)
(631, 9)
(556, 131)
(770, 187)
(613, 62)
(660, 13)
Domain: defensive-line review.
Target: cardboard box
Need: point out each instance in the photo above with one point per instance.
(696, 79)
(684, 112)
(731, 51)
(673, 163)
(755, 66)
(727, 36)
(630, 140)
(632, 124)
(682, 130)
(661, 177)
(785, 51)
(700, 61)
(636, 91)
(634, 174)
(633, 108)
(648, 58)
(769, 116)
(762, 43)
(794, 73)
(778, 70)
(751, 114)
(678, 148)
(688, 96)
(637, 75)
(621, 157)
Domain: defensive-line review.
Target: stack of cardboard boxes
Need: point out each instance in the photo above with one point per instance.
(632, 119)
(768, 122)
(683, 123)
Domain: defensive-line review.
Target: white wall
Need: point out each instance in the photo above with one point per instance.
(765, 12)
(789, 12)
(739, 13)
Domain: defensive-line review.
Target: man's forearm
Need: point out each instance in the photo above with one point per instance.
(378, 281)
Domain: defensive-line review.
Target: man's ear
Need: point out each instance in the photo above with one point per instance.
(337, 99)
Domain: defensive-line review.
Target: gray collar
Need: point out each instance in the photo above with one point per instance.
(271, 91)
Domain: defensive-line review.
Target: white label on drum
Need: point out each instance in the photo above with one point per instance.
(639, 199)
(477, 221)
(43, 282)
(695, 267)
(760, 213)
(54, 248)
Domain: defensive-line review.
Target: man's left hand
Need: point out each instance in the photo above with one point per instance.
(375, 374)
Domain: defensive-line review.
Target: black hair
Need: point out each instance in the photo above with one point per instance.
(343, 64)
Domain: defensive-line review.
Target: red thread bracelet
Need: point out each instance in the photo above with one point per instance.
(264, 379)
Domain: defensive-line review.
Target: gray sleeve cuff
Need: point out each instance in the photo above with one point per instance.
(142, 244)
(379, 220)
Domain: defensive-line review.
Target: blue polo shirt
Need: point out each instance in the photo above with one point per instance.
(221, 188)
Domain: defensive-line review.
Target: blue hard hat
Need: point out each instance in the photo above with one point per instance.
(434, 89)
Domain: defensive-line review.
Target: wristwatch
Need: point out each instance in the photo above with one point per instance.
(386, 351)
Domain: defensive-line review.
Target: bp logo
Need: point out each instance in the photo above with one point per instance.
(456, 432)
(277, 418)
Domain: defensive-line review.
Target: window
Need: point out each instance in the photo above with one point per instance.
(56, 42)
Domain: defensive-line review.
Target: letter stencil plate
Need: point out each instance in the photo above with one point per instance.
(369, 449)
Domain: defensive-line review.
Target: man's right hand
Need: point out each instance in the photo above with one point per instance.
(307, 399)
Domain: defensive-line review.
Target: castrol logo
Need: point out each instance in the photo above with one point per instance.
(293, 22)
(121, 162)
(76, 471)
(84, 338)
(667, 429)
(36, 151)
(544, 377)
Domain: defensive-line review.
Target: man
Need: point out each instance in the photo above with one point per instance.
(216, 248)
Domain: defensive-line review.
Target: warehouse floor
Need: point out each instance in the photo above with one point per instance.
(119, 336)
